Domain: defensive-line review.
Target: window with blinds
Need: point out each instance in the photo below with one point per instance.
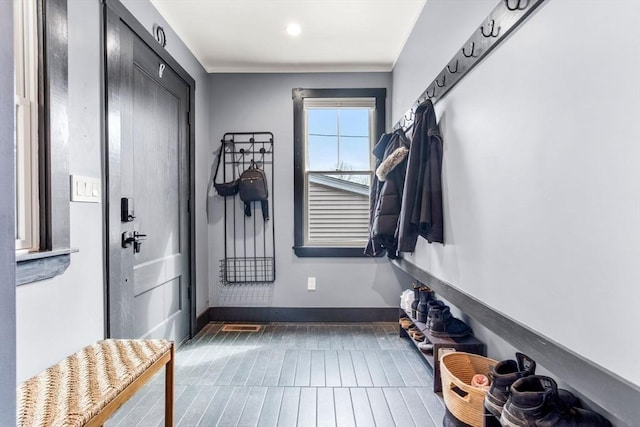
(334, 132)
(338, 169)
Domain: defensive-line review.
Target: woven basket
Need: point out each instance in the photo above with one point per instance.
(465, 402)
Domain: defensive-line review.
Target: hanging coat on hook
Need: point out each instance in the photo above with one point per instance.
(386, 194)
(421, 213)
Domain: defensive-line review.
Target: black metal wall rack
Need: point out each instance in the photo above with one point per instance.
(249, 241)
(502, 21)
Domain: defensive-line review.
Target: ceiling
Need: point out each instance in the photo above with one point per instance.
(250, 35)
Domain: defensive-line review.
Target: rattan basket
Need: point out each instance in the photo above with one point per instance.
(465, 402)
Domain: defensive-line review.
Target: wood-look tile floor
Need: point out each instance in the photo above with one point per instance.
(293, 374)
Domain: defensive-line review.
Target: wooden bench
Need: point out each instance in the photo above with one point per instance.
(86, 388)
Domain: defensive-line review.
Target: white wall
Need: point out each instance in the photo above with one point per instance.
(57, 317)
(7, 221)
(252, 102)
(541, 181)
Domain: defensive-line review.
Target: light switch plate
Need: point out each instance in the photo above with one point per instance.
(311, 283)
(85, 189)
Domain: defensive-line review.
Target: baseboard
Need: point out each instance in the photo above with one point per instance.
(201, 321)
(303, 314)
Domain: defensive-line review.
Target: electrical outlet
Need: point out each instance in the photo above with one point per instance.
(311, 283)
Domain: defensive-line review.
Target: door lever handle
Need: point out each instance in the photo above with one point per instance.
(134, 238)
(137, 244)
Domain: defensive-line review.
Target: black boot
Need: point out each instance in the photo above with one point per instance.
(534, 401)
(422, 309)
(503, 375)
(441, 322)
(416, 300)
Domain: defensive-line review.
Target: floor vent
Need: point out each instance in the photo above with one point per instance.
(241, 328)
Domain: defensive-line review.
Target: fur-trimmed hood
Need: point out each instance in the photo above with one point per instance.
(392, 160)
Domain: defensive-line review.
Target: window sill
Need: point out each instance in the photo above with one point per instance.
(36, 266)
(329, 252)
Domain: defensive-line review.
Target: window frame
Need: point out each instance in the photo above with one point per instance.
(26, 80)
(301, 249)
(53, 255)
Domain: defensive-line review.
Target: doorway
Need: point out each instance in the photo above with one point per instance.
(148, 182)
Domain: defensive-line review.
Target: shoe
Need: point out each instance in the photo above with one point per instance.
(405, 323)
(503, 375)
(416, 299)
(534, 401)
(418, 336)
(425, 346)
(442, 324)
(413, 330)
(425, 295)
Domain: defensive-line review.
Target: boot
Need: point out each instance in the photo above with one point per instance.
(422, 309)
(505, 373)
(441, 323)
(416, 299)
(534, 401)
(502, 376)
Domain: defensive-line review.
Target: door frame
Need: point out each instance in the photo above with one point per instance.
(116, 8)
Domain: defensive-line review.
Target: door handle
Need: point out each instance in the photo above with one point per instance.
(136, 241)
(133, 237)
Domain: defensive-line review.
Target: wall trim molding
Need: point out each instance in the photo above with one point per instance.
(201, 321)
(615, 396)
(303, 314)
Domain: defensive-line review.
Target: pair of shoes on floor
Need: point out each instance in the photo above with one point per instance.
(519, 398)
(441, 322)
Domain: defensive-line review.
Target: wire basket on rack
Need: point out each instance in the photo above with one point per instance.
(235, 271)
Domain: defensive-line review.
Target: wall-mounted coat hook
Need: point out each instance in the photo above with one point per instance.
(452, 71)
(493, 32)
(473, 48)
(519, 4)
(444, 82)
(429, 96)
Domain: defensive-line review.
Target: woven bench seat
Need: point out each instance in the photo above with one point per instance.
(86, 388)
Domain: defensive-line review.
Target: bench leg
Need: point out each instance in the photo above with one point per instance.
(168, 390)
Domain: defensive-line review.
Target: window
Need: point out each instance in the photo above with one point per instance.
(42, 165)
(334, 131)
(26, 97)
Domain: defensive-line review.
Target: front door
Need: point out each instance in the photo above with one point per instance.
(148, 190)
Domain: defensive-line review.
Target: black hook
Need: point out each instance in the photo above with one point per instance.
(520, 4)
(432, 95)
(443, 81)
(492, 23)
(453, 71)
(473, 48)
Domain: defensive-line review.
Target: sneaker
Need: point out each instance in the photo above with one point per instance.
(425, 346)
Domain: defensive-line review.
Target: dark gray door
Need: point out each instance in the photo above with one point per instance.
(147, 143)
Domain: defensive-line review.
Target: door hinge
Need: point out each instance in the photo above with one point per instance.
(189, 118)
(189, 206)
(189, 293)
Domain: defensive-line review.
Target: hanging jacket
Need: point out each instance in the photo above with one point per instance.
(422, 199)
(386, 193)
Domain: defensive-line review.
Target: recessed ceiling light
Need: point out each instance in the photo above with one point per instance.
(293, 29)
